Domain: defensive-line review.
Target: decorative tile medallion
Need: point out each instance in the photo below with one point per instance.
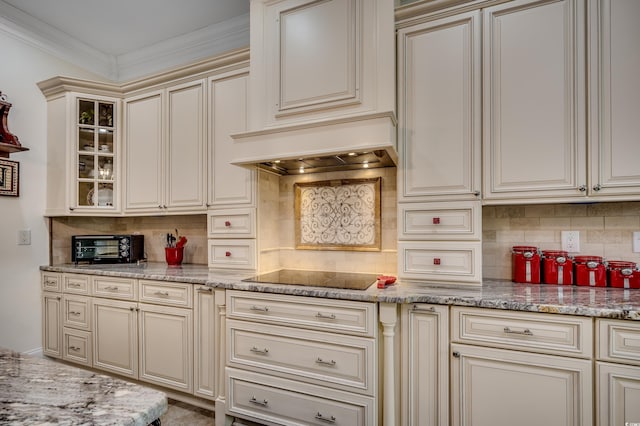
(338, 214)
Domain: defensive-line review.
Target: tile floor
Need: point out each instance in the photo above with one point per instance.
(181, 414)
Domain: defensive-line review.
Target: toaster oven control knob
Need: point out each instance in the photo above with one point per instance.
(125, 253)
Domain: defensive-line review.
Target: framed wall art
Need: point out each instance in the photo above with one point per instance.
(338, 215)
(9, 177)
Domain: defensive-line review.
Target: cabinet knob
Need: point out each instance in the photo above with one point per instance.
(436, 261)
(583, 188)
(436, 221)
(597, 187)
(456, 354)
(227, 254)
(476, 193)
(227, 223)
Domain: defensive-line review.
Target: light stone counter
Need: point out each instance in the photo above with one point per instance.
(572, 300)
(37, 391)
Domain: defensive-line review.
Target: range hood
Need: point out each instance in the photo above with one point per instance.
(321, 87)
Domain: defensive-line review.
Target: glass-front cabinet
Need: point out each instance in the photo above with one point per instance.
(84, 176)
(95, 153)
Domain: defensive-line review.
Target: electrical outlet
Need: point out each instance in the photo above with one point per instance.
(571, 241)
(636, 242)
(24, 237)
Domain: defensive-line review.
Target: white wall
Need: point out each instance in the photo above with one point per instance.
(22, 66)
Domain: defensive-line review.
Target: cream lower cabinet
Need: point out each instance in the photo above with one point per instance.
(502, 373)
(52, 324)
(617, 373)
(425, 365)
(301, 360)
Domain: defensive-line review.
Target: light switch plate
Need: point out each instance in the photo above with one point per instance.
(636, 242)
(24, 237)
(571, 241)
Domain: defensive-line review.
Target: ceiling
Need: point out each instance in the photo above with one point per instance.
(126, 39)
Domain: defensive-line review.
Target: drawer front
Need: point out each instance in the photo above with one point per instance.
(345, 362)
(440, 261)
(285, 402)
(440, 221)
(619, 341)
(358, 318)
(231, 223)
(76, 346)
(543, 333)
(166, 293)
(115, 288)
(51, 281)
(232, 254)
(76, 284)
(77, 312)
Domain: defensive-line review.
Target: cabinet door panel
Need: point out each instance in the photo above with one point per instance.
(185, 146)
(618, 393)
(52, 324)
(143, 152)
(614, 94)
(115, 337)
(493, 387)
(534, 99)
(439, 106)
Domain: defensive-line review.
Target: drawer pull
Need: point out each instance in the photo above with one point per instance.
(525, 332)
(76, 313)
(263, 403)
(75, 285)
(331, 363)
(204, 290)
(417, 308)
(260, 309)
(325, 316)
(50, 282)
(162, 293)
(255, 350)
(111, 288)
(74, 348)
(331, 419)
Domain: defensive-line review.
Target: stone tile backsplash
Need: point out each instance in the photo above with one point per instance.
(606, 230)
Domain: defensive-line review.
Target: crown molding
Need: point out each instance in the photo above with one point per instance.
(207, 42)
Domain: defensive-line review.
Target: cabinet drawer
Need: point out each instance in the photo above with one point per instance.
(345, 362)
(115, 288)
(77, 312)
(440, 221)
(544, 333)
(76, 284)
(166, 293)
(76, 346)
(440, 261)
(285, 402)
(231, 223)
(359, 318)
(233, 254)
(619, 341)
(51, 281)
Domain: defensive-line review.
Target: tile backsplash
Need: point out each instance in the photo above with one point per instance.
(154, 229)
(606, 230)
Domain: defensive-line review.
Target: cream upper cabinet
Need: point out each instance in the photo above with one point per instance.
(439, 108)
(534, 100)
(315, 59)
(83, 148)
(229, 185)
(614, 90)
(165, 150)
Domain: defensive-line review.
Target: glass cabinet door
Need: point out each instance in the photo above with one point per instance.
(95, 153)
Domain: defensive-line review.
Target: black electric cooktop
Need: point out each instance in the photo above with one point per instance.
(344, 280)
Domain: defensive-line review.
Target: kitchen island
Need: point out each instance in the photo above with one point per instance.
(40, 391)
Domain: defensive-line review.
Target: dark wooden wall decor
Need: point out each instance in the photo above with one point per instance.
(8, 141)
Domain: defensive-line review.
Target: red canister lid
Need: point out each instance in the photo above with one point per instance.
(587, 259)
(620, 264)
(523, 249)
(554, 253)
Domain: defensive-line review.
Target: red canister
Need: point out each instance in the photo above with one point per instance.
(590, 270)
(557, 267)
(623, 274)
(525, 264)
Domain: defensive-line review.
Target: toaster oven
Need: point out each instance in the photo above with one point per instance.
(107, 248)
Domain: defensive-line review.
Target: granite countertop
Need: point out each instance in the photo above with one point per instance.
(40, 391)
(497, 294)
